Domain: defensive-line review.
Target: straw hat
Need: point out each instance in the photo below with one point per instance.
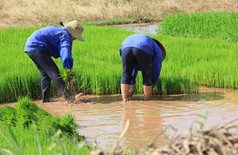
(162, 48)
(75, 29)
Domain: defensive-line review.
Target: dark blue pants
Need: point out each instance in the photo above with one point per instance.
(132, 57)
(49, 71)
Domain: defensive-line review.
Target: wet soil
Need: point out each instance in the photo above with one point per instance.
(101, 119)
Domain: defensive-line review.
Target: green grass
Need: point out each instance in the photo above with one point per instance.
(190, 62)
(31, 130)
(219, 25)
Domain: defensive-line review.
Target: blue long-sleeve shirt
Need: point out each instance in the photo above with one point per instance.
(148, 45)
(57, 40)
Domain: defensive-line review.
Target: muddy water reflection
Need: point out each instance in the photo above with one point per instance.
(104, 122)
(101, 123)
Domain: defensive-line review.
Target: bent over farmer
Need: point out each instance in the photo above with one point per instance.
(140, 52)
(53, 41)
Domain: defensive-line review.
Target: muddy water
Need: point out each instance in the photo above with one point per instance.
(101, 119)
(149, 28)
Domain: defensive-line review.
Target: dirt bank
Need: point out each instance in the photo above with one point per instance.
(25, 13)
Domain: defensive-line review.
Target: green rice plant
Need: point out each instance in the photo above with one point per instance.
(190, 62)
(220, 25)
(26, 112)
(34, 131)
(8, 115)
(31, 142)
(67, 75)
(14, 144)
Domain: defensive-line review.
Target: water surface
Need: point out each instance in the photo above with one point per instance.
(101, 119)
(149, 28)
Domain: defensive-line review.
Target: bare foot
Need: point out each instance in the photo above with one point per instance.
(124, 100)
(69, 104)
(66, 102)
(78, 96)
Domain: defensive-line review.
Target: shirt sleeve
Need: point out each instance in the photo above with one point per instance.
(65, 49)
(157, 62)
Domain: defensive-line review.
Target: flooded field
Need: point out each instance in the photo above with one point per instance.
(101, 119)
(149, 28)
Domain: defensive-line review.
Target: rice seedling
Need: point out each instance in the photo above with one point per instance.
(68, 76)
(29, 129)
(220, 25)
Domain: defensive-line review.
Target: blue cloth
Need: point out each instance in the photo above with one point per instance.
(130, 57)
(148, 45)
(57, 40)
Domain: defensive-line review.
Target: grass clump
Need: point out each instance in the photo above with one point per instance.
(29, 129)
(219, 25)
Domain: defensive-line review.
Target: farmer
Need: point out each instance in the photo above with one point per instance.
(54, 42)
(140, 52)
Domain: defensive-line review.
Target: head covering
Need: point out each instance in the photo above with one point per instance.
(162, 48)
(75, 29)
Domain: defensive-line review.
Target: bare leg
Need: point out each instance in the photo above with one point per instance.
(131, 90)
(147, 92)
(124, 91)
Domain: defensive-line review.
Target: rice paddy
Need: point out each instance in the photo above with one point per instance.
(201, 50)
(219, 25)
(190, 62)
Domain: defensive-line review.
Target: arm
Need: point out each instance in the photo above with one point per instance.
(65, 48)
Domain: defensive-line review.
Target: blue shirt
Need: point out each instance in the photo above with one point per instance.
(57, 40)
(148, 45)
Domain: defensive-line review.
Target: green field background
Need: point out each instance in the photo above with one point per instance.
(191, 61)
